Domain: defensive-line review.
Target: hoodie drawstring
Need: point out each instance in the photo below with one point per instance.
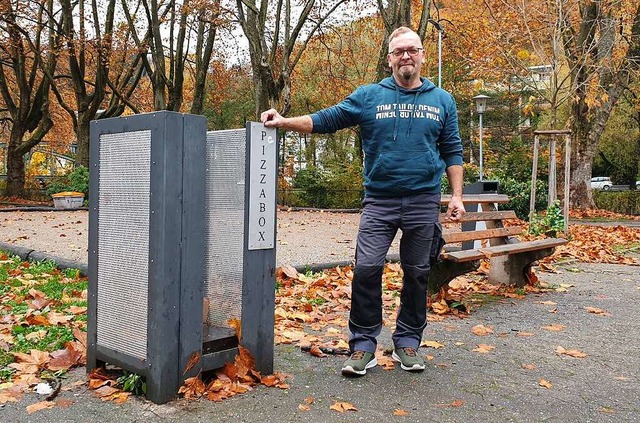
(411, 111)
(397, 119)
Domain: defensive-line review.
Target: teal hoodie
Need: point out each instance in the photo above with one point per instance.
(409, 137)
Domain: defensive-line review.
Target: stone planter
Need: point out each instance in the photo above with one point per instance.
(68, 200)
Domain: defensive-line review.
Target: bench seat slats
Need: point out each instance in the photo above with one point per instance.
(518, 247)
(481, 234)
(484, 216)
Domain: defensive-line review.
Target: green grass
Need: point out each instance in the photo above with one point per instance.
(625, 248)
(316, 301)
(6, 358)
(54, 340)
(485, 298)
(43, 266)
(16, 307)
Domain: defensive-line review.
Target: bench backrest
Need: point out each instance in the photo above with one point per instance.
(485, 224)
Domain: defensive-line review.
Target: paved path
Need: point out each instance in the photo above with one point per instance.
(303, 238)
(459, 385)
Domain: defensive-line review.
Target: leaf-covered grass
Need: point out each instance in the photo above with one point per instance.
(40, 308)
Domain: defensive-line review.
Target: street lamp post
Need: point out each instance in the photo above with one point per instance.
(439, 28)
(481, 104)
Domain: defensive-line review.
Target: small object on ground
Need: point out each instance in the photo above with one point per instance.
(43, 389)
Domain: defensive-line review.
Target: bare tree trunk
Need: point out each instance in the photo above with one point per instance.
(82, 132)
(89, 90)
(25, 94)
(274, 54)
(395, 14)
(15, 163)
(589, 51)
(207, 29)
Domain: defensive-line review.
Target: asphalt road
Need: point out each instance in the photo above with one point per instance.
(619, 188)
(459, 384)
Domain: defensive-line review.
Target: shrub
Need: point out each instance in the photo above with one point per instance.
(337, 188)
(311, 187)
(520, 195)
(625, 202)
(77, 180)
(550, 223)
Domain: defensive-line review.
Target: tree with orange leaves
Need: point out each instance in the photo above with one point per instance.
(591, 47)
(28, 48)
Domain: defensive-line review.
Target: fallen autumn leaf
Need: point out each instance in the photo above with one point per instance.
(482, 330)
(545, 383)
(341, 407)
(484, 348)
(571, 353)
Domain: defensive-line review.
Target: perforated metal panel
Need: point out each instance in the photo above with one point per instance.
(123, 242)
(225, 224)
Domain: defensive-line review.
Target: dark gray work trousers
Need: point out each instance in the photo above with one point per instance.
(417, 217)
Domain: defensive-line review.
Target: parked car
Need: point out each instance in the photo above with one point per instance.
(601, 182)
(638, 184)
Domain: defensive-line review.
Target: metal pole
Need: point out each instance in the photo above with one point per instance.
(481, 161)
(553, 189)
(440, 58)
(567, 181)
(534, 176)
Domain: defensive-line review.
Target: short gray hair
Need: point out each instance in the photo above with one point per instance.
(399, 31)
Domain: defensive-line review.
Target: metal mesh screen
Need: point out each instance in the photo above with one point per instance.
(224, 211)
(123, 242)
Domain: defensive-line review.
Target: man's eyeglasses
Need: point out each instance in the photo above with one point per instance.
(399, 52)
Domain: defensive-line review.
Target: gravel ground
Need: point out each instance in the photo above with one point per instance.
(303, 237)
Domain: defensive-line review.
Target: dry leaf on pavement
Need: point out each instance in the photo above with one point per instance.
(598, 311)
(484, 348)
(316, 351)
(341, 407)
(432, 344)
(554, 327)
(385, 362)
(571, 353)
(545, 383)
(482, 330)
(456, 403)
(40, 406)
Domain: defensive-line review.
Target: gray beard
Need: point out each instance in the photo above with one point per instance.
(406, 74)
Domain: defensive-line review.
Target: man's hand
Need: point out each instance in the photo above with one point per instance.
(271, 118)
(455, 209)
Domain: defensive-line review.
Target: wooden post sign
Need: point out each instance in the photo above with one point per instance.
(262, 188)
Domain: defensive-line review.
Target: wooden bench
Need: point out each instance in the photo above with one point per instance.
(464, 249)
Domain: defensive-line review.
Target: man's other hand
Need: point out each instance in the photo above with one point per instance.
(455, 210)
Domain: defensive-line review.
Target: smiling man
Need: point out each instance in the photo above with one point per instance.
(410, 137)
